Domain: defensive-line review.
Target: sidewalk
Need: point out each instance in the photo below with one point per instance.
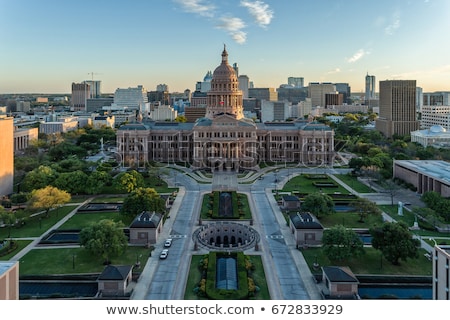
(36, 240)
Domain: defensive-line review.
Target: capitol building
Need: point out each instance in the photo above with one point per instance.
(224, 139)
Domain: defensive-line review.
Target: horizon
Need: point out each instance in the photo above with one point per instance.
(49, 46)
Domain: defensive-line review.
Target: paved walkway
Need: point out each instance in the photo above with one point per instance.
(36, 240)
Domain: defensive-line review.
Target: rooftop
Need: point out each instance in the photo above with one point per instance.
(437, 169)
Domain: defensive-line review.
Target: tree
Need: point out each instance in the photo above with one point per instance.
(38, 178)
(131, 180)
(143, 199)
(48, 198)
(365, 207)
(104, 238)
(96, 181)
(318, 203)
(340, 243)
(7, 218)
(180, 118)
(395, 241)
(72, 182)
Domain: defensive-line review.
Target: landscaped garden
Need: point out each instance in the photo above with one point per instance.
(225, 205)
(250, 278)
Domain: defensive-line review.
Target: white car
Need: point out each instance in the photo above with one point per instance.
(164, 254)
(168, 243)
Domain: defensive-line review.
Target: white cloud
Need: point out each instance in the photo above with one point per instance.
(357, 55)
(234, 27)
(337, 70)
(200, 7)
(393, 26)
(260, 11)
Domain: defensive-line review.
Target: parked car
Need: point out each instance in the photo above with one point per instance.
(168, 243)
(164, 254)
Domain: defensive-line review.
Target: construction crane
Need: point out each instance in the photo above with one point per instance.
(92, 74)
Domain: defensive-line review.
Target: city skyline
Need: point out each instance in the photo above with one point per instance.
(48, 45)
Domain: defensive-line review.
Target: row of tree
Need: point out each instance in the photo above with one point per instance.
(393, 239)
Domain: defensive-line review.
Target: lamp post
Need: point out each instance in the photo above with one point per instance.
(73, 261)
(435, 243)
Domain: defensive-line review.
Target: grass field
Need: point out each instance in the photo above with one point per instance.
(74, 260)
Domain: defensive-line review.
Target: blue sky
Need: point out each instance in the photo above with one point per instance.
(46, 45)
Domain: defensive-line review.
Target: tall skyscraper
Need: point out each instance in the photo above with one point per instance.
(80, 94)
(370, 88)
(7, 155)
(95, 88)
(397, 108)
(297, 82)
(244, 84)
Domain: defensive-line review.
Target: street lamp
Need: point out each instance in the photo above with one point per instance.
(435, 243)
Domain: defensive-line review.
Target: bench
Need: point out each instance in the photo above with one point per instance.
(428, 256)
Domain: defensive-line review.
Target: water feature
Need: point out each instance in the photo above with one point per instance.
(225, 204)
(396, 292)
(226, 273)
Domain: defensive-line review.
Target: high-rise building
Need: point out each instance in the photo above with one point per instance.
(268, 94)
(297, 82)
(7, 155)
(317, 91)
(95, 88)
(397, 108)
(440, 98)
(244, 84)
(441, 272)
(132, 98)
(370, 88)
(80, 94)
(345, 90)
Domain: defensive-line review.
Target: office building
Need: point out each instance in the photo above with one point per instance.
(345, 90)
(292, 94)
(439, 98)
(317, 92)
(134, 98)
(296, 82)
(95, 90)
(244, 85)
(9, 280)
(397, 114)
(441, 272)
(370, 88)
(433, 115)
(80, 94)
(7, 155)
(268, 94)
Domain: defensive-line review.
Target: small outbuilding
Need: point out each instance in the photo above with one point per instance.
(290, 202)
(114, 280)
(306, 228)
(145, 228)
(340, 283)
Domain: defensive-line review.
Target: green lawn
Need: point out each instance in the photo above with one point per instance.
(350, 220)
(353, 183)
(34, 226)
(74, 260)
(302, 184)
(372, 263)
(82, 220)
(20, 245)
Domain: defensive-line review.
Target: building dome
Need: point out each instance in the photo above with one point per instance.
(224, 71)
(437, 129)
